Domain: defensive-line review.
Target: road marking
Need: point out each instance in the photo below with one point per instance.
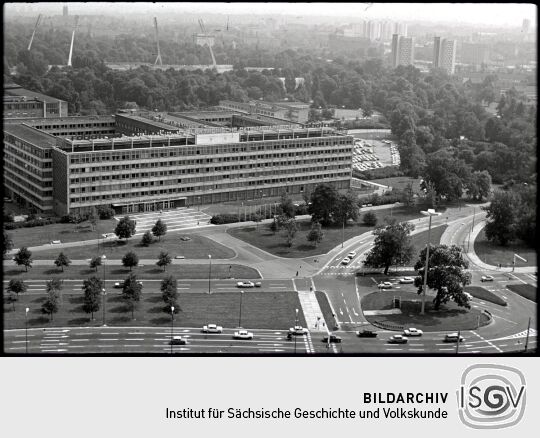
(136, 333)
(131, 345)
(489, 342)
(134, 339)
(447, 349)
(108, 339)
(416, 349)
(394, 349)
(16, 348)
(80, 340)
(105, 346)
(18, 342)
(59, 350)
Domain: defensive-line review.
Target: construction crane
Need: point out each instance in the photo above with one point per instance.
(158, 58)
(34, 32)
(205, 35)
(72, 40)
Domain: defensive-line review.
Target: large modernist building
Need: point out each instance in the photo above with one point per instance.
(297, 112)
(22, 103)
(402, 50)
(444, 54)
(159, 161)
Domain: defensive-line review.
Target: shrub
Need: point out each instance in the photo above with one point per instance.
(370, 219)
(105, 212)
(220, 219)
(32, 223)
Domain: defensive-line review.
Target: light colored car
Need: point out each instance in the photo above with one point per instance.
(108, 235)
(243, 334)
(346, 261)
(398, 339)
(412, 332)
(118, 285)
(468, 295)
(179, 257)
(258, 284)
(245, 284)
(212, 328)
(385, 285)
(406, 280)
(55, 242)
(352, 255)
(178, 340)
(486, 278)
(453, 337)
(298, 330)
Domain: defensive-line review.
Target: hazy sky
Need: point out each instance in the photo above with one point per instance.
(492, 14)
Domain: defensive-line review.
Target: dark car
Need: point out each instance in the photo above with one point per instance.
(333, 339)
(366, 334)
(177, 340)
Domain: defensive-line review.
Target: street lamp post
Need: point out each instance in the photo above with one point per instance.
(240, 315)
(343, 233)
(104, 258)
(430, 212)
(172, 327)
(295, 325)
(104, 301)
(209, 272)
(514, 262)
(26, 327)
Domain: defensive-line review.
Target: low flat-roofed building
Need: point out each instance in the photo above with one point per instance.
(75, 126)
(22, 103)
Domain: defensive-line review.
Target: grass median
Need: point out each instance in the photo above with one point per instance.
(493, 254)
(268, 310)
(486, 295)
(525, 290)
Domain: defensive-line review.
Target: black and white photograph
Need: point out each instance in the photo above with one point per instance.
(269, 179)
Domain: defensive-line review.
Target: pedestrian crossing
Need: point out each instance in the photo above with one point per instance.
(174, 219)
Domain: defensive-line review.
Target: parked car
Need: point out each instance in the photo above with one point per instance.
(334, 339)
(212, 328)
(180, 257)
(486, 278)
(108, 235)
(55, 242)
(245, 284)
(257, 284)
(345, 261)
(178, 340)
(243, 334)
(406, 280)
(119, 285)
(366, 334)
(412, 332)
(185, 238)
(298, 330)
(453, 337)
(352, 255)
(385, 285)
(397, 339)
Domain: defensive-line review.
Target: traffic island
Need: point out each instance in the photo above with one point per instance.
(397, 310)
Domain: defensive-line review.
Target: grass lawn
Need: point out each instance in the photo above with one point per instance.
(276, 243)
(494, 254)
(400, 182)
(269, 310)
(525, 290)
(326, 310)
(486, 295)
(450, 317)
(181, 272)
(198, 247)
(65, 232)
(419, 240)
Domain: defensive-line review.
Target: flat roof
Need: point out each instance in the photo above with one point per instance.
(69, 119)
(155, 123)
(23, 92)
(31, 135)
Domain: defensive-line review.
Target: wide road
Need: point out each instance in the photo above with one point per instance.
(130, 340)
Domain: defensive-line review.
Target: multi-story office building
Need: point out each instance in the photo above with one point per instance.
(402, 50)
(148, 173)
(22, 103)
(292, 111)
(474, 53)
(76, 127)
(400, 29)
(444, 54)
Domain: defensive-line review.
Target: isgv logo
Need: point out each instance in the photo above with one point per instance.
(491, 396)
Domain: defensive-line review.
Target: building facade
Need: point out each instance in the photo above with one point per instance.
(444, 54)
(22, 103)
(402, 50)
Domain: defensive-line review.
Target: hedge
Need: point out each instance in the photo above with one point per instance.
(33, 223)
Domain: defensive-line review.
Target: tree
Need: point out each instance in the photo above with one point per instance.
(125, 228)
(15, 287)
(346, 208)
(369, 219)
(445, 274)
(291, 229)
(274, 226)
(159, 229)
(92, 289)
(24, 257)
(8, 243)
(257, 218)
(286, 205)
(392, 246)
(501, 217)
(131, 292)
(170, 293)
(93, 217)
(479, 186)
(316, 233)
(130, 260)
(164, 260)
(147, 238)
(50, 305)
(324, 200)
(95, 262)
(407, 195)
(62, 260)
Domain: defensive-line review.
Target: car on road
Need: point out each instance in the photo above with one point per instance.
(245, 284)
(119, 285)
(257, 284)
(178, 340)
(108, 235)
(412, 332)
(406, 280)
(366, 334)
(486, 278)
(212, 328)
(453, 337)
(334, 339)
(351, 255)
(346, 261)
(243, 334)
(468, 295)
(385, 285)
(180, 257)
(185, 238)
(397, 339)
(55, 242)
(298, 330)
